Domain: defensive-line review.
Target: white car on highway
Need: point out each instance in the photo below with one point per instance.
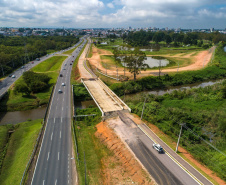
(158, 148)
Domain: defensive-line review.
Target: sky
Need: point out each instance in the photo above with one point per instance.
(194, 14)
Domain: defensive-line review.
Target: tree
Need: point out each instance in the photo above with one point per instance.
(135, 62)
(168, 39)
(22, 88)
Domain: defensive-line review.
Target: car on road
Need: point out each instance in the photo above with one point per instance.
(158, 148)
(64, 68)
(10, 75)
(70, 63)
(63, 84)
(60, 91)
(38, 59)
(61, 75)
(13, 76)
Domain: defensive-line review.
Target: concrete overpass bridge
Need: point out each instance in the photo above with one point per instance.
(107, 101)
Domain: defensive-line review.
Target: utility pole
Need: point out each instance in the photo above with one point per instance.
(117, 72)
(143, 108)
(181, 124)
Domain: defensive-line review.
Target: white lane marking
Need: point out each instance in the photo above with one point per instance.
(62, 108)
(172, 158)
(51, 136)
(58, 156)
(56, 182)
(43, 182)
(60, 134)
(54, 120)
(63, 99)
(61, 120)
(48, 156)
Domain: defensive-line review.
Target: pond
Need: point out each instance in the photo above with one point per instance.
(152, 62)
(225, 49)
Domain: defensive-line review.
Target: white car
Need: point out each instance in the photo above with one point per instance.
(13, 76)
(60, 91)
(158, 148)
(63, 84)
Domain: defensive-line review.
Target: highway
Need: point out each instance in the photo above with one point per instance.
(8, 81)
(56, 161)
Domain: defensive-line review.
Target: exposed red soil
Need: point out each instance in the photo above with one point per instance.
(126, 170)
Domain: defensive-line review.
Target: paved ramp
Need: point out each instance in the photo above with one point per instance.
(105, 99)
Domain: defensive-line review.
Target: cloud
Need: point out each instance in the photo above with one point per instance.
(110, 5)
(95, 13)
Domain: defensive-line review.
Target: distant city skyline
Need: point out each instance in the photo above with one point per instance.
(189, 14)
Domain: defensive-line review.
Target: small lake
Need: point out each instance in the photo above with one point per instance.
(21, 116)
(225, 49)
(152, 62)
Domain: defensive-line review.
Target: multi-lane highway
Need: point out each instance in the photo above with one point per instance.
(56, 160)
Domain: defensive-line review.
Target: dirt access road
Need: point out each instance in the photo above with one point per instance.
(198, 61)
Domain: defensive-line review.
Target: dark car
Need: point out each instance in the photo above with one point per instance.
(61, 75)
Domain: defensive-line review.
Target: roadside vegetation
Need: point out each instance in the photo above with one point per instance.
(17, 149)
(90, 150)
(17, 51)
(34, 87)
(75, 71)
(203, 111)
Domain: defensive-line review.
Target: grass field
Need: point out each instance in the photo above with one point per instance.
(19, 150)
(18, 101)
(91, 147)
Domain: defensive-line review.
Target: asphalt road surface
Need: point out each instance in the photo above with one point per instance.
(54, 164)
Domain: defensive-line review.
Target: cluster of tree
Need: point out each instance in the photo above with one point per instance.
(33, 82)
(143, 38)
(17, 51)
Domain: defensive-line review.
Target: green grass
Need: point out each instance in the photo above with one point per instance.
(4, 136)
(20, 148)
(94, 150)
(52, 64)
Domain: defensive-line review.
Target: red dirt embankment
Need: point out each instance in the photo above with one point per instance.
(125, 170)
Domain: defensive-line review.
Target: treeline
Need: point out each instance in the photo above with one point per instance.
(202, 110)
(17, 51)
(143, 38)
(216, 70)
